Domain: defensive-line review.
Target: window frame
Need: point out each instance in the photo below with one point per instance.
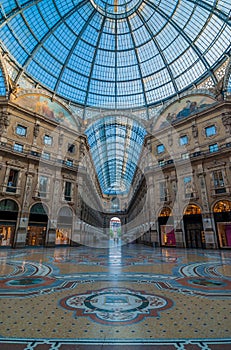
(12, 180)
(68, 191)
(72, 147)
(210, 127)
(69, 163)
(182, 138)
(47, 137)
(213, 148)
(46, 155)
(22, 128)
(18, 147)
(44, 193)
(160, 148)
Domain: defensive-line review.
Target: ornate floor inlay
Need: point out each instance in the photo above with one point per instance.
(121, 298)
(116, 305)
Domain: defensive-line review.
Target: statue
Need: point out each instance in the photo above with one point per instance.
(226, 120)
(217, 90)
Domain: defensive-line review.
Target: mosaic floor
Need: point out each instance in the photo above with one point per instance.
(130, 297)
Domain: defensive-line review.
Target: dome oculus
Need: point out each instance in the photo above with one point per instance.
(116, 8)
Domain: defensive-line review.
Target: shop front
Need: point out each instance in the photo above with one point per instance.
(222, 217)
(37, 227)
(8, 221)
(193, 226)
(64, 226)
(166, 228)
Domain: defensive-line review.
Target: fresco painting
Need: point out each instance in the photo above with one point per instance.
(42, 105)
(184, 108)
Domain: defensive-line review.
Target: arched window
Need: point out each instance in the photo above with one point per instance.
(222, 206)
(115, 228)
(39, 208)
(192, 209)
(8, 205)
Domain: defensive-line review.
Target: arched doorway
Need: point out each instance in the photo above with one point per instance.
(166, 228)
(222, 217)
(193, 226)
(37, 227)
(8, 220)
(64, 226)
(115, 229)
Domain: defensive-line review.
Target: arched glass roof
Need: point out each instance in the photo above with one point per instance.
(2, 84)
(115, 144)
(116, 53)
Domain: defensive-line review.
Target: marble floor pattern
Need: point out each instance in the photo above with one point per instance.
(130, 297)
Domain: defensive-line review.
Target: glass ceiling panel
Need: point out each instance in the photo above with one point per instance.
(116, 54)
(115, 145)
(2, 84)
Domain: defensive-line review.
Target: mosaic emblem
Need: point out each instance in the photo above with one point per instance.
(116, 305)
(206, 283)
(24, 283)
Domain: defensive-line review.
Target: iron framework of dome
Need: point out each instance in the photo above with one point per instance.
(116, 53)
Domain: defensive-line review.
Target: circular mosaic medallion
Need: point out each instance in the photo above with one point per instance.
(116, 305)
(27, 282)
(206, 284)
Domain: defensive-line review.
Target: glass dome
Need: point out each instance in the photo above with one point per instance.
(116, 53)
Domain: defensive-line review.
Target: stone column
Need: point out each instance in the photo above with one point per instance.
(207, 216)
(55, 205)
(4, 123)
(21, 234)
(154, 234)
(180, 242)
(210, 236)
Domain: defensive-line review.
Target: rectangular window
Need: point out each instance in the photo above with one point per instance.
(71, 148)
(213, 148)
(12, 181)
(67, 191)
(18, 147)
(69, 162)
(21, 130)
(185, 155)
(48, 140)
(43, 183)
(183, 140)
(161, 162)
(218, 181)
(46, 155)
(210, 131)
(188, 187)
(163, 191)
(160, 148)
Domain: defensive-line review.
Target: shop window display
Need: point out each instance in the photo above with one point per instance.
(166, 228)
(8, 220)
(222, 216)
(64, 229)
(36, 235)
(193, 227)
(167, 235)
(63, 235)
(224, 234)
(6, 235)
